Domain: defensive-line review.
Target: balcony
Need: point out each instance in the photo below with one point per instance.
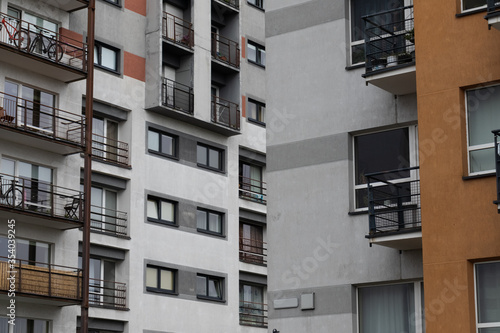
(390, 50)
(40, 203)
(225, 5)
(253, 314)
(58, 285)
(493, 14)
(109, 150)
(177, 32)
(108, 294)
(39, 50)
(225, 113)
(252, 189)
(394, 209)
(177, 96)
(225, 53)
(108, 221)
(67, 5)
(253, 251)
(40, 126)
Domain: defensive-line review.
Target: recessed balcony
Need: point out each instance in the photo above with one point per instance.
(225, 113)
(252, 189)
(178, 34)
(493, 14)
(253, 251)
(57, 285)
(40, 126)
(226, 5)
(42, 51)
(109, 150)
(108, 221)
(177, 97)
(108, 294)
(394, 209)
(390, 50)
(253, 314)
(67, 5)
(225, 54)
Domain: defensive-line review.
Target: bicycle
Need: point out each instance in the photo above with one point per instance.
(20, 38)
(13, 196)
(54, 49)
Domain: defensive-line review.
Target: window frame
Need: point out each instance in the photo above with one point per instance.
(260, 110)
(482, 325)
(208, 149)
(208, 278)
(258, 4)
(98, 55)
(30, 323)
(259, 49)
(207, 221)
(158, 201)
(117, 3)
(175, 144)
(157, 289)
(473, 9)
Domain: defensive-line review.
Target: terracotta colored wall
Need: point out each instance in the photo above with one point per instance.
(138, 6)
(460, 224)
(134, 66)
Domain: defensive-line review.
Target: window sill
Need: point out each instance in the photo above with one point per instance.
(484, 175)
(211, 233)
(358, 212)
(256, 64)
(349, 68)
(256, 122)
(210, 169)
(106, 69)
(162, 291)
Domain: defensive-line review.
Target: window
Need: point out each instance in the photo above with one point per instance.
(209, 287)
(209, 221)
(251, 186)
(256, 111)
(101, 281)
(114, 2)
(257, 3)
(252, 305)
(105, 139)
(160, 279)
(473, 4)
(488, 297)
(162, 143)
(251, 244)
(160, 210)
(104, 215)
(360, 8)
(24, 325)
(31, 252)
(210, 157)
(391, 308)
(256, 53)
(383, 151)
(106, 56)
(482, 117)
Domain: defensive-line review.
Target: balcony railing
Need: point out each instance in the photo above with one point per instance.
(232, 3)
(42, 43)
(177, 96)
(493, 6)
(225, 113)
(109, 150)
(253, 314)
(107, 220)
(225, 50)
(393, 204)
(253, 251)
(108, 294)
(389, 39)
(42, 120)
(252, 189)
(40, 198)
(177, 30)
(41, 279)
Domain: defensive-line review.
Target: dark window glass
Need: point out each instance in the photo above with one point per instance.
(209, 157)
(209, 287)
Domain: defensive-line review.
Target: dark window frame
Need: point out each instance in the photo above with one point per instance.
(100, 46)
(261, 108)
(158, 279)
(117, 3)
(208, 149)
(158, 201)
(208, 278)
(207, 221)
(258, 4)
(258, 54)
(175, 144)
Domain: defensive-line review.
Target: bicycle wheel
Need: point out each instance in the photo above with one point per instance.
(55, 52)
(22, 39)
(14, 198)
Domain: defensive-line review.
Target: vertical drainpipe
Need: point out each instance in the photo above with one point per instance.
(87, 170)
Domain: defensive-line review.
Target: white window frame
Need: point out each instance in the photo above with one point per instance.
(414, 174)
(471, 9)
(417, 291)
(482, 325)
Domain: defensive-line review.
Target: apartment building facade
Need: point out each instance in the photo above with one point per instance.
(178, 197)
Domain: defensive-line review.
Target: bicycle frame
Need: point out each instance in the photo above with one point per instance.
(7, 25)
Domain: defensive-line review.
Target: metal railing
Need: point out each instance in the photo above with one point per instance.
(393, 204)
(252, 189)
(232, 3)
(41, 279)
(109, 150)
(107, 293)
(41, 198)
(493, 6)
(253, 314)
(50, 45)
(107, 220)
(42, 120)
(177, 30)
(253, 251)
(225, 113)
(177, 96)
(225, 50)
(389, 39)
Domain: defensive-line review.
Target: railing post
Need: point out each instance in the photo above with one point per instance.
(371, 209)
(496, 133)
(50, 279)
(20, 279)
(401, 213)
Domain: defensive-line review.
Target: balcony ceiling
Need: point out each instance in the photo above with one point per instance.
(399, 81)
(26, 216)
(67, 5)
(402, 241)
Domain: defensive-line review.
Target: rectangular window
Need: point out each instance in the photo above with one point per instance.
(256, 111)
(252, 244)
(160, 210)
(257, 3)
(252, 305)
(256, 53)
(488, 297)
(251, 186)
(160, 279)
(473, 4)
(210, 287)
(104, 215)
(24, 325)
(162, 143)
(209, 221)
(210, 157)
(106, 57)
(391, 308)
(105, 143)
(482, 117)
(30, 252)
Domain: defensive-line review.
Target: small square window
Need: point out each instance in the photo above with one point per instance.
(256, 53)
(160, 279)
(162, 143)
(209, 221)
(210, 157)
(106, 57)
(257, 3)
(160, 210)
(256, 111)
(210, 287)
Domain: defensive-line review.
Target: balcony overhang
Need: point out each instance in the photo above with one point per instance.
(411, 240)
(38, 300)
(493, 19)
(40, 65)
(40, 219)
(398, 81)
(67, 5)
